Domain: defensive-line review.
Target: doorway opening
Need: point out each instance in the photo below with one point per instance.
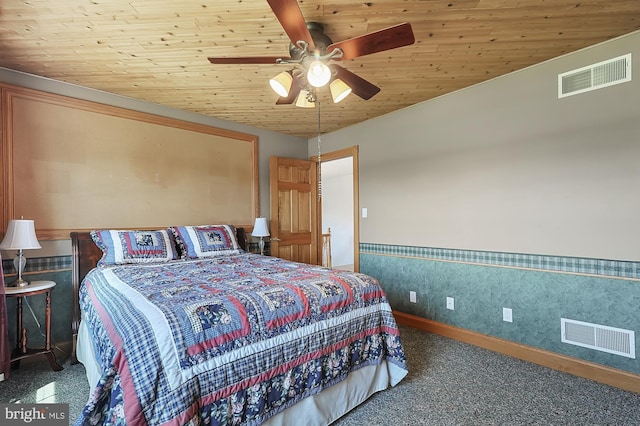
(339, 206)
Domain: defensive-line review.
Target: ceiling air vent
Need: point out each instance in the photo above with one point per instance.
(616, 341)
(596, 76)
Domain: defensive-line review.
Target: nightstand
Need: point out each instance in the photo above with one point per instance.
(22, 351)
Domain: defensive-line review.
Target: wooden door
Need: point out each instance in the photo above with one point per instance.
(293, 191)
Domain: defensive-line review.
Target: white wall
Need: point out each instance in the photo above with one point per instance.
(507, 166)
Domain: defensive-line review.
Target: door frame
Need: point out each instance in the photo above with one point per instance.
(335, 155)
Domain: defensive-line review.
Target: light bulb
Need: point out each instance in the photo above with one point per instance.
(319, 73)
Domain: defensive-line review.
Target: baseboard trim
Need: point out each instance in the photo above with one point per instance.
(588, 370)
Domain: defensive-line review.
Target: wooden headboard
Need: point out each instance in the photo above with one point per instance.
(85, 255)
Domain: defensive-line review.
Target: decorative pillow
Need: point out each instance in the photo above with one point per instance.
(196, 242)
(121, 247)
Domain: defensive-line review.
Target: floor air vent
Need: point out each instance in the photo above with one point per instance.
(599, 337)
(596, 76)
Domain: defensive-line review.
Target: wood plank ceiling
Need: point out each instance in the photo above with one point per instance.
(156, 50)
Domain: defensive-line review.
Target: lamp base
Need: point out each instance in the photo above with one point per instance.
(19, 263)
(17, 283)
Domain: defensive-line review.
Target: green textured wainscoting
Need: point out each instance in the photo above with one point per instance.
(538, 298)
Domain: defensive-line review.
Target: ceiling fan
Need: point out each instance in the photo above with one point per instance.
(311, 53)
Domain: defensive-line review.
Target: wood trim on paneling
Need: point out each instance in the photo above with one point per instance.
(5, 172)
(589, 370)
(9, 93)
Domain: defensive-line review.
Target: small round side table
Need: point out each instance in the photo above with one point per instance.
(22, 351)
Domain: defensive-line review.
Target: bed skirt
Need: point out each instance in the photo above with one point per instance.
(316, 410)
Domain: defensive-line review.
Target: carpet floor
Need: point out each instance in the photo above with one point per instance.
(449, 383)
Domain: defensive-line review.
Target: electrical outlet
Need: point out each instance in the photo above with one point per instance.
(412, 296)
(450, 304)
(507, 315)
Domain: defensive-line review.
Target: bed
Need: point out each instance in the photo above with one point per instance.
(185, 337)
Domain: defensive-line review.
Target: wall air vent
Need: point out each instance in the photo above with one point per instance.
(596, 76)
(599, 337)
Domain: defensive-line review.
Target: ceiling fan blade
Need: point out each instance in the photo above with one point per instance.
(290, 16)
(247, 60)
(293, 93)
(359, 86)
(377, 41)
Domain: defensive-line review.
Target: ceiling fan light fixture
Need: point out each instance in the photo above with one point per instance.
(281, 83)
(318, 74)
(304, 99)
(339, 90)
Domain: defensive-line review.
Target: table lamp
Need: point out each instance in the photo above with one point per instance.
(21, 235)
(261, 229)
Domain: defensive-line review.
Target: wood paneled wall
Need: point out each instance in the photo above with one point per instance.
(71, 164)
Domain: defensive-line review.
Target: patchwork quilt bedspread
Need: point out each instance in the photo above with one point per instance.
(228, 340)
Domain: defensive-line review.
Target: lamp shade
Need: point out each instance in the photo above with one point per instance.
(303, 100)
(21, 234)
(260, 227)
(339, 90)
(281, 83)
